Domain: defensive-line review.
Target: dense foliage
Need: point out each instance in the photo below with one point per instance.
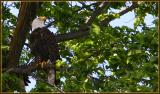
(109, 59)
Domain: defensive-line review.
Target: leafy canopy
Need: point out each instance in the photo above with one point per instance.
(109, 59)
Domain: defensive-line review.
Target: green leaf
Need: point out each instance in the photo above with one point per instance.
(96, 29)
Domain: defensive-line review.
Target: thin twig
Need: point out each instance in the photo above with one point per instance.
(97, 12)
(107, 20)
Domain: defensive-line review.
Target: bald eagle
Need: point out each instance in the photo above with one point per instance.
(43, 45)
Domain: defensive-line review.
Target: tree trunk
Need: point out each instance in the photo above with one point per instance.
(27, 13)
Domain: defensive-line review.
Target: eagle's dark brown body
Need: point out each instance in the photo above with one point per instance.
(43, 44)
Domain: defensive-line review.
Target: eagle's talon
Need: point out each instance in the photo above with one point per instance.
(44, 63)
(44, 46)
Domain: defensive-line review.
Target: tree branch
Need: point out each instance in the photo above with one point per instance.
(84, 6)
(27, 69)
(97, 12)
(107, 20)
(84, 29)
(26, 14)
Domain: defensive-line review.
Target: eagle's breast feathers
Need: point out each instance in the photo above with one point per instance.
(43, 44)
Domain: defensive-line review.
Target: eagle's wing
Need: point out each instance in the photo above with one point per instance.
(53, 52)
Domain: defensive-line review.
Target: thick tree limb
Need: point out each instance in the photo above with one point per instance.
(23, 27)
(27, 69)
(26, 14)
(84, 29)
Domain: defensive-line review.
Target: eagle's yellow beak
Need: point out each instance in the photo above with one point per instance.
(42, 18)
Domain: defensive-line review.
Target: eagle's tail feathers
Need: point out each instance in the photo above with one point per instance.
(52, 74)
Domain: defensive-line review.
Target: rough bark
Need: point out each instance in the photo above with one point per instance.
(26, 14)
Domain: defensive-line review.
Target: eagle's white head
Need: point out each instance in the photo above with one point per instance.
(38, 22)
